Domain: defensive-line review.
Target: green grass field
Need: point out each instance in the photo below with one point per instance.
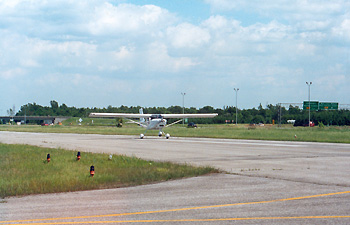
(332, 134)
(24, 171)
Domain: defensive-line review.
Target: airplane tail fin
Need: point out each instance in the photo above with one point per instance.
(142, 120)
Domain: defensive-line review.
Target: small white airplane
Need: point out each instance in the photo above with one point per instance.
(153, 121)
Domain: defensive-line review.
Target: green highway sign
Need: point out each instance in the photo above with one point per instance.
(328, 106)
(316, 105)
(313, 105)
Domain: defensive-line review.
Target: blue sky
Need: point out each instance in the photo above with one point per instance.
(98, 53)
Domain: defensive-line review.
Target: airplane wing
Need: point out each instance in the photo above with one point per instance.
(194, 115)
(134, 115)
(119, 115)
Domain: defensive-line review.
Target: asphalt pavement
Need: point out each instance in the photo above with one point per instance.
(263, 182)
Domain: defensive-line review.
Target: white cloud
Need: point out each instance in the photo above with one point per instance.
(12, 73)
(343, 30)
(220, 26)
(316, 36)
(226, 29)
(270, 32)
(67, 19)
(107, 19)
(123, 53)
(332, 83)
(293, 11)
(217, 23)
(187, 35)
(306, 49)
(314, 25)
(111, 46)
(122, 59)
(157, 59)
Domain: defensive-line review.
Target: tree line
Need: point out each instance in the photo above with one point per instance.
(271, 114)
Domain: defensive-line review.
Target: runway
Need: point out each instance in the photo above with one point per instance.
(264, 182)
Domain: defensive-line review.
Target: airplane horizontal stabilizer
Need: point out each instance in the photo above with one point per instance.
(138, 123)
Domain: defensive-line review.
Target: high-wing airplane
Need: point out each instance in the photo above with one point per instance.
(153, 121)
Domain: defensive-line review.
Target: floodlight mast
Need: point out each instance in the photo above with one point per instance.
(309, 85)
(236, 90)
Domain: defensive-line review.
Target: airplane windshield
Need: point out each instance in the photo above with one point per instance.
(156, 116)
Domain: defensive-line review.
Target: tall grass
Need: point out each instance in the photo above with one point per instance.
(24, 170)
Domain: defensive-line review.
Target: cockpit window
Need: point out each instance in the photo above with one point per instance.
(156, 116)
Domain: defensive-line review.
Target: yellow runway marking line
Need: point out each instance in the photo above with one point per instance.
(177, 210)
(194, 220)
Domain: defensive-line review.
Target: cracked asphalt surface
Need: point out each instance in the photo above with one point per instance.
(265, 182)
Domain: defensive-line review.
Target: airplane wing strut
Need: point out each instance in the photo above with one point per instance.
(178, 121)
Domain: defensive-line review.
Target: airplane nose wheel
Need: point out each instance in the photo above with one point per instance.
(160, 134)
(167, 136)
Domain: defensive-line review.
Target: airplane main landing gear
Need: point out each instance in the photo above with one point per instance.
(167, 136)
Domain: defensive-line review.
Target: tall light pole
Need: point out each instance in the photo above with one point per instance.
(183, 107)
(309, 85)
(236, 90)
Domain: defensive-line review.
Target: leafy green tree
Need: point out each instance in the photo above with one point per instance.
(206, 109)
(260, 115)
(11, 111)
(258, 119)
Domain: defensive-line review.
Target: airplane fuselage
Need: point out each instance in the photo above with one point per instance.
(156, 122)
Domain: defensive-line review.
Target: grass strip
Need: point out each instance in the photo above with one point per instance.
(25, 170)
(331, 134)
